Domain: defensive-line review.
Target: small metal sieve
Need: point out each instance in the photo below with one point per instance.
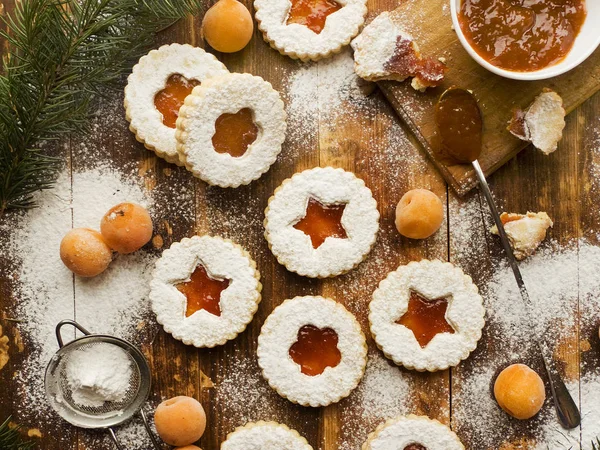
(111, 413)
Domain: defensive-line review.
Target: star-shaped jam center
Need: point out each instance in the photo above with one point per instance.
(171, 98)
(203, 292)
(426, 318)
(234, 133)
(315, 350)
(322, 221)
(312, 13)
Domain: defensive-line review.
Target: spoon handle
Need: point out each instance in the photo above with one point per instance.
(566, 409)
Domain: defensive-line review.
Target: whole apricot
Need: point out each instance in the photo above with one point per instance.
(419, 214)
(227, 26)
(126, 227)
(85, 252)
(520, 391)
(180, 421)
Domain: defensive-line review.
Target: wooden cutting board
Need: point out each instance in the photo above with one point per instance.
(430, 23)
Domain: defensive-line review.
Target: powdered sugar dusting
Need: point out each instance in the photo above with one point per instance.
(383, 393)
(557, 278)
(111, 303)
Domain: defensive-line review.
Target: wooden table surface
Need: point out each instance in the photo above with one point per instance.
(560, 184)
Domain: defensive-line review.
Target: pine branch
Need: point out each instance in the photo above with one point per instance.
(63, 54)
(10, 438)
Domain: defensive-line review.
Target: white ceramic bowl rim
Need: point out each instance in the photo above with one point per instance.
(586, 43)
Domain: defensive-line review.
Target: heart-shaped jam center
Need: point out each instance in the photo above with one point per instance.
(171, 98)
(203, 292)
(426, 318)
(322, 221)
(315, 350)
(415, 447)
(312, 13)
(234, 133)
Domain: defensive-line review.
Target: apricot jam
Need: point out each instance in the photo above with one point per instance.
(203, 292)
(171, 98)
(460, 127)
(315, 350)
(522, 35)
(312, 13)
(415, 447)
(407, 62)
(426, 318)
(234, 133)
(322, 221)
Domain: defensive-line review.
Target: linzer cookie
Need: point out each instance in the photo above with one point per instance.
(157, 88)
(205, 290)
(427, 315)
(412, 433)
(312, 351)
(265, 436)
(309, 29)
(230, 129)
(321, 222)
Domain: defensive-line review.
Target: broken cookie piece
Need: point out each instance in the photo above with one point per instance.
(525, 232)
(384, 51)
(542, 123)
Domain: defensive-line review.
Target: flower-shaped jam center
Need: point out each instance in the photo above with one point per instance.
(426, 318)
(171, 98)
(234, 133)
(315, 350)
(203, 292)
(322, 221)
(312, 13)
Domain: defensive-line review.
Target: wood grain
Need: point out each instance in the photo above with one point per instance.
(227, 379)
(431, 24)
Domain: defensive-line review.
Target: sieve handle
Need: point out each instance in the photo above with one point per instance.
(113, 437)
(149, 430)
(61, 324)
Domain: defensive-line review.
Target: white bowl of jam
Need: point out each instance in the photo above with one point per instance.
(527, 39)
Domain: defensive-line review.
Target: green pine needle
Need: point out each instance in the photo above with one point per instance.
(62, 54)
(10, 438)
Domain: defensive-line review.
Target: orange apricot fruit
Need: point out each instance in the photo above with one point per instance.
(520, 391)
(180, 421)
(85, 252)
(227, 26)
(419, 214)
(126, 227)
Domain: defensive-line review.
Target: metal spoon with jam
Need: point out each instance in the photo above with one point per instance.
(460, 126)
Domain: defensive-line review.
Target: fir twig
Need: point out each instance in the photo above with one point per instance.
(62, 54)
(10, 438)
